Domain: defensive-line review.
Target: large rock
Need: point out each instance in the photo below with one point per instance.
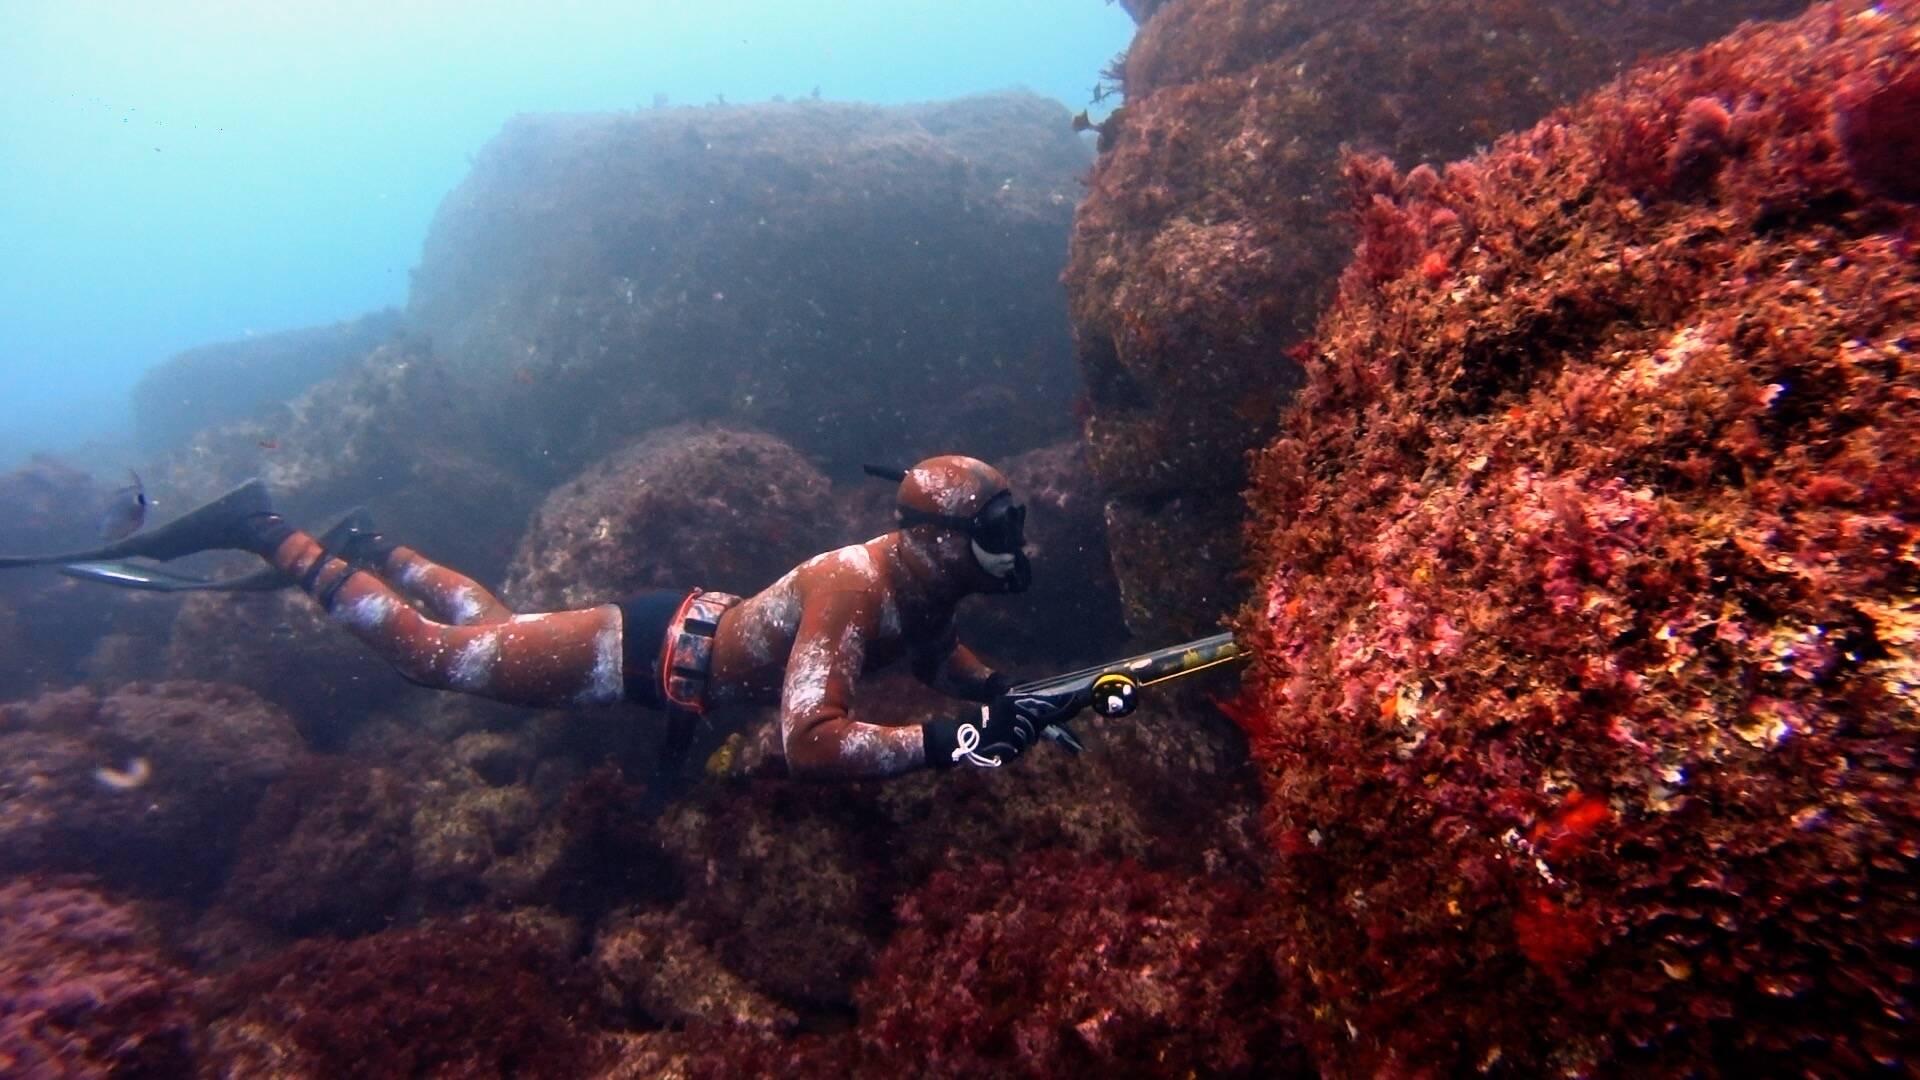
(328, 849)
(84, 990)
(688, 506)
(397, 431)
(1213, 229)
(1589, 599)
(214, 384)
(867, 283)
(283, 647)
(148, 787)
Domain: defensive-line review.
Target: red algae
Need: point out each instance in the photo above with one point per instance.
(1061, 965)
(83, 991)
(480, 997)
(1588, 619)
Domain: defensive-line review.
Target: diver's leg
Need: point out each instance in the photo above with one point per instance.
(450, 595)
(556, 658)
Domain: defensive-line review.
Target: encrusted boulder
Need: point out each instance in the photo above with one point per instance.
(396, 431)
(283, 647)
(688, 506)
(1114, 969)
(484, 996)
(148, 787)
(778, 875)
(865, 282)
(652, 965)
(84, 990)
(328, 849)
(1588, 616)
(210, 385)
(1213, 228)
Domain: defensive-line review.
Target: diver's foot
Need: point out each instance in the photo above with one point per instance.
(348, 536)
(357, 540)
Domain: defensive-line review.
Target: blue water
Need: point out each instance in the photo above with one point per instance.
(178, 173)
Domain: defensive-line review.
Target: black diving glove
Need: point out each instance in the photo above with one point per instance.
(989, 691)
(995, 735)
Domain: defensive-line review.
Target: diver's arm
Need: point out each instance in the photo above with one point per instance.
(954, 670)
(820, 737)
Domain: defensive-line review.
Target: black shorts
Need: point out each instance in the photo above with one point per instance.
(644, 621)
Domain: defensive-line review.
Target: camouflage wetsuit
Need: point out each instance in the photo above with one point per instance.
(802, 641)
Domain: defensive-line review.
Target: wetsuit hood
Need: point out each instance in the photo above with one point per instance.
(983, 525)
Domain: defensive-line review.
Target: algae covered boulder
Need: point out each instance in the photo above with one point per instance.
(1214, 225)
(867, 283)
(147, 787)
(688, 506)
(1588, 581)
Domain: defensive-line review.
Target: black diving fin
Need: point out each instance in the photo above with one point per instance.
(132, 575)
(214, 526)
(126, 574)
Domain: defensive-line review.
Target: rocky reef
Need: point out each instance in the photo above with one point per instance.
(216, 384)
(1214, 227)
(84, 989)
(147, 787)
(1586, 611)
(686, 506)
(866, 283)
(1584, 589)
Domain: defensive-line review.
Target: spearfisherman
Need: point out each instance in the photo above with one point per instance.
(802, 641)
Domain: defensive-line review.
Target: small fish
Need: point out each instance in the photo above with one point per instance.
(270, 443)
(126, 511)
(1082, 122)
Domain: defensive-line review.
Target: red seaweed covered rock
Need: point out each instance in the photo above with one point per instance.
(83, 993)
(778, 876)
(688, 506)
(329, 848)
(148, 787)
(1588, 619)
(479, 997)
(1059, 966)
(1211, 234)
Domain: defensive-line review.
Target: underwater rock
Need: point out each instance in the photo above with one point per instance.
(284, 648)
(689, 506)
(84, 991)
(215, 384)
(1211, 234)
(1058, 965)
(1588, 616)
(653, 964)
(1072, 612)
(396, 431)
(473, 997)
(52, 627)
(778, 876)
(328, 849)
(868, 283)
(148, 787)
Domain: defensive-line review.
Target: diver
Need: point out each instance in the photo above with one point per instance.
(802, 641)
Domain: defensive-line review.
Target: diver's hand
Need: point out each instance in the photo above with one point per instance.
(995, 735)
